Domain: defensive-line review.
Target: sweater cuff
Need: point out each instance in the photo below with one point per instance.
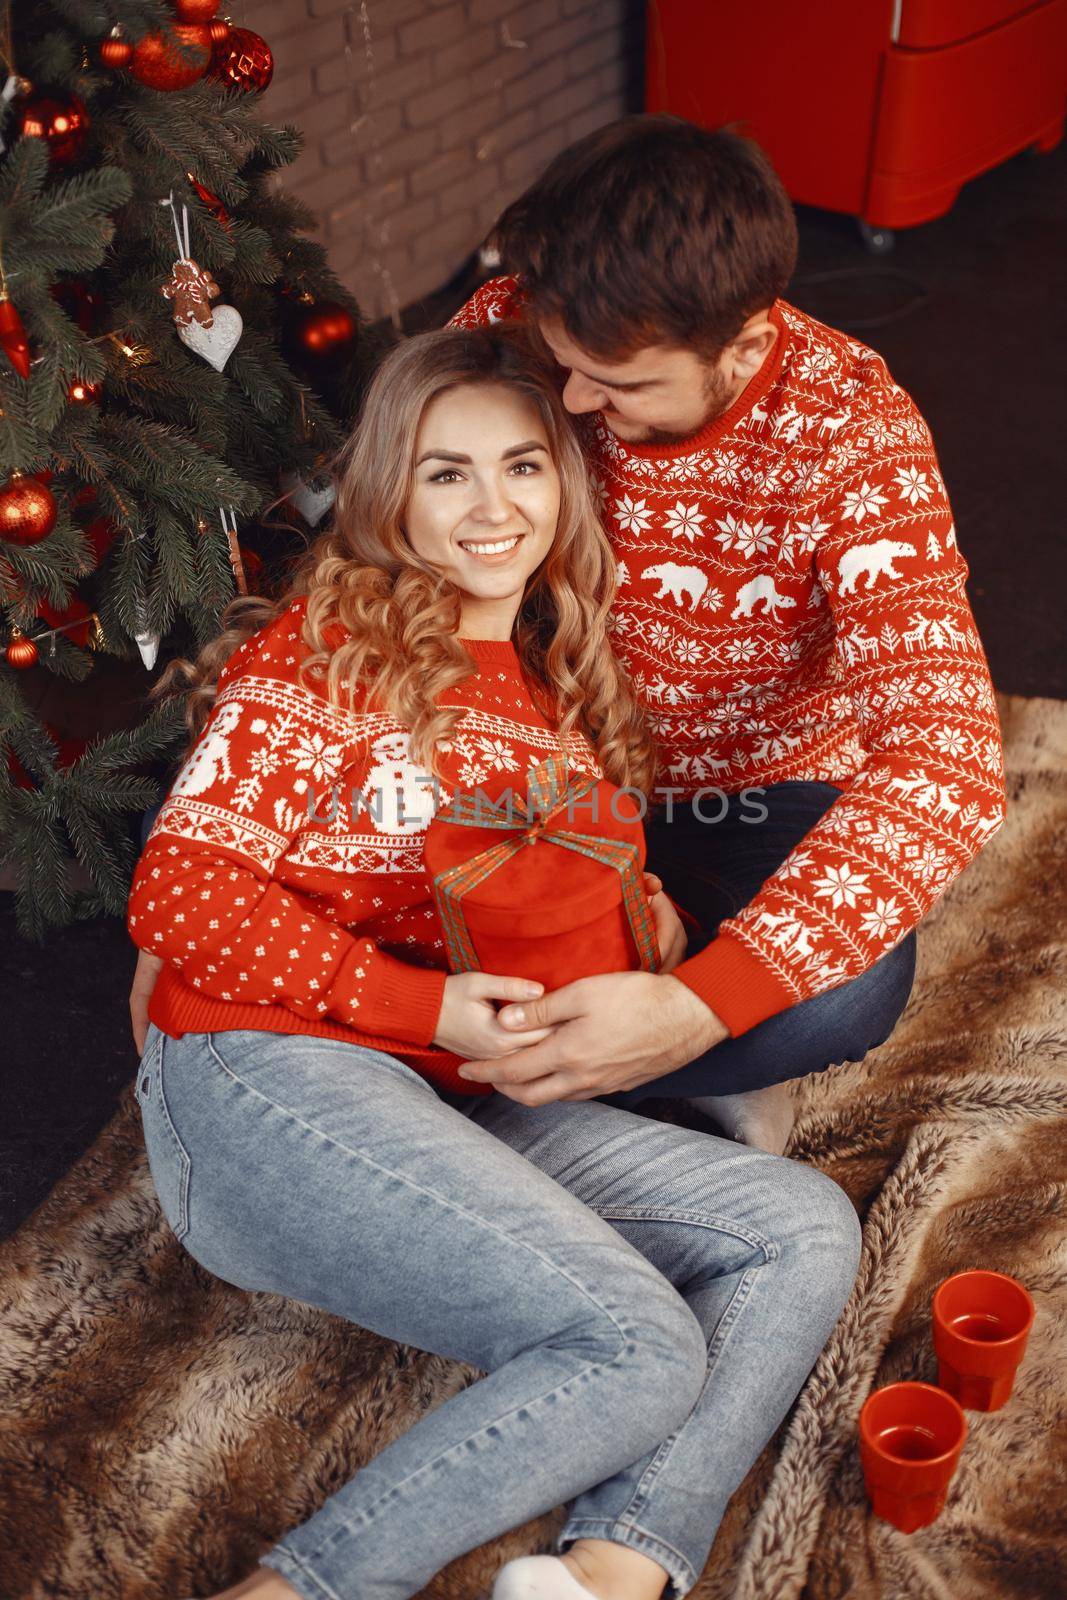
(404, 1001)
(740, 989)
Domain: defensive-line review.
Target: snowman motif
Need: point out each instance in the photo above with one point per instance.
(210, 761)
(397, 802)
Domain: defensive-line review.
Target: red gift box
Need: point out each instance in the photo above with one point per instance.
(545, 885)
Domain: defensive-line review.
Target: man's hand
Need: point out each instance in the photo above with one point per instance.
(144, 981)
(609, 1033)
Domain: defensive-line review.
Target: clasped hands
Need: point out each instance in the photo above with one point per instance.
(593, 1037)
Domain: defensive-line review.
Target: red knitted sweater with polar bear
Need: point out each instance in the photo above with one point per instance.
(791, 607)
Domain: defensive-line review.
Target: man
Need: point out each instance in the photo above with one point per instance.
(791, 608)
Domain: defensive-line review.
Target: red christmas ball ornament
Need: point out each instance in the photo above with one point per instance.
(76, 612)
(27, 510)
(159, 64)
(326, 328)
(13, 337)
(20, 654)
(60, 120)
(195, 10)
(219, 29)
(115, 53)
(242, 61)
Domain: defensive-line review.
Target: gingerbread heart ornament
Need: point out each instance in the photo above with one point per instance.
(212, 332)
(216, 342)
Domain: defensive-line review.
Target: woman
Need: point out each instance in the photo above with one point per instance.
(645, 1300)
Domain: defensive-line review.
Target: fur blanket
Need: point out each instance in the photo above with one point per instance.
(160, 1428)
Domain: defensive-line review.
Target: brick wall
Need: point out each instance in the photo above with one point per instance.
(423, 118)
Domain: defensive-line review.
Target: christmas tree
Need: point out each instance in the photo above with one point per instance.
(176, 361)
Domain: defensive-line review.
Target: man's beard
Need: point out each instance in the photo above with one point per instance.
(717, 399)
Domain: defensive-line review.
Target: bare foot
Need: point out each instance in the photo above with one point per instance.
(263, 1584)
(614, 1571)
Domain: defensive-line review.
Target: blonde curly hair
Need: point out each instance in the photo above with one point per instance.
(400, 616)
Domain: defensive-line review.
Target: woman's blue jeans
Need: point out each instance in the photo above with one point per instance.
(714, 869)
(645, 1300)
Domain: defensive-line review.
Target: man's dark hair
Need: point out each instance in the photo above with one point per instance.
(652, 231)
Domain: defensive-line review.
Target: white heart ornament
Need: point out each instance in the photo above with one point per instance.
(217, 343)
(312, 504)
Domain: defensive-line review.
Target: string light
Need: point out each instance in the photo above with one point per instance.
(92, 621)
(138, 355)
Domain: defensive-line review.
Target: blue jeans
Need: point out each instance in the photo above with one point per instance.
(645, 1300)
(713, 870)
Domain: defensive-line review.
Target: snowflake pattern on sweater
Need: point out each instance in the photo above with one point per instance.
(283, 881)
(791, 607)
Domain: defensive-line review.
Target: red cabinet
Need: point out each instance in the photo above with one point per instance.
(881, 108)
(926, 24)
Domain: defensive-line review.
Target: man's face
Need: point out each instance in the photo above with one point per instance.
(661, 395)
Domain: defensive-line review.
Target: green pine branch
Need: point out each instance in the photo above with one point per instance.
(166, 442)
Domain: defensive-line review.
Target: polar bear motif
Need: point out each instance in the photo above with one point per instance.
(677, 581)
(396, 801)
(760, 590)
(210, 761)
(874, 560)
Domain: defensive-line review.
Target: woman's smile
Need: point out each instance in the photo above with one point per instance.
(491, 550)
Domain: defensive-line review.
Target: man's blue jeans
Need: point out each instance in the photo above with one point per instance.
(713, 870)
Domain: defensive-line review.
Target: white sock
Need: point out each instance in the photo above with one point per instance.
(762, 1118)
(539, 1578)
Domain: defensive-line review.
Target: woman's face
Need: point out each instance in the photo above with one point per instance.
(485, 500)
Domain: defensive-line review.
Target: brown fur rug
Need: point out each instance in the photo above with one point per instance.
(159, 1429)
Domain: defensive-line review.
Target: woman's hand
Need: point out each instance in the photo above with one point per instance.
(669, 930)
(467, 1025)
(144, 981)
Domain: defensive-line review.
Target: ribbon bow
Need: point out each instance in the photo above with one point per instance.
(526, 819)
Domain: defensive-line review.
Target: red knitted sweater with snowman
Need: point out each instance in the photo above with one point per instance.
(283, 881)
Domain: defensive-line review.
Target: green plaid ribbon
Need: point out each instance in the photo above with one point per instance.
(547, 795)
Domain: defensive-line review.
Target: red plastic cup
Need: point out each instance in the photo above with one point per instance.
(982, 1321)
(911, 1435)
